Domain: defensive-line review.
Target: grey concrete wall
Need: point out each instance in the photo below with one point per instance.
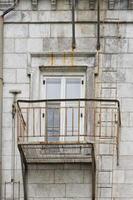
(28, 32)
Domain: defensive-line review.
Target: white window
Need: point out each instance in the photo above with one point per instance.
(64, 119)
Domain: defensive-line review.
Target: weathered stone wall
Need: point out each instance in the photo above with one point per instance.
(60, 181)
(28, 32)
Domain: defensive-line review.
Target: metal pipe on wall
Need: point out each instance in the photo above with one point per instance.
(98, 25)
(1, 96)
(73, 25)
(1, 84)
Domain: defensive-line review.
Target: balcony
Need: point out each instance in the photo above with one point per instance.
(65, 130)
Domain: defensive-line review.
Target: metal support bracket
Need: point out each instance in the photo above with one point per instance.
(53, 4)
(24, 172)
(93, 174)
(73, 25)
(34, 4)
(111, 4)
(130, 4)
(92, 4)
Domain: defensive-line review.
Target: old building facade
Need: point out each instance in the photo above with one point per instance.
(66, 93)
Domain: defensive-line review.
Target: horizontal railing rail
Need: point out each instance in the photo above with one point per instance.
(68, 120)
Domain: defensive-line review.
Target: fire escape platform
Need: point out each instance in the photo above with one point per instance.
(37, 153)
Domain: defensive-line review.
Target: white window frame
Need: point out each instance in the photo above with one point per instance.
(63, 77)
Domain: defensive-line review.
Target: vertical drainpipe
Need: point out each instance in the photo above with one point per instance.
(1, 97)
(1, 84)
(98, 25)
(73, 25)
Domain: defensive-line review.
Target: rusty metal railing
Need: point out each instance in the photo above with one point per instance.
(68, 120)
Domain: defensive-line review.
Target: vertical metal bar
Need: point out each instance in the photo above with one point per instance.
(72, 121)
(98, 25)
(27, 133)
(65, 121)
(93, 174)
(53, 128)
(79, 121)
(100, 122)
(73, 25)
(5, 191)
(46, 133)
(40, 127)
(19, 192)
(106, 122)
(13, 189)
(33, 122)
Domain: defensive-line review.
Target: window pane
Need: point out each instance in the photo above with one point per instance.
(53, 88)
(73, 88)
(53, 123)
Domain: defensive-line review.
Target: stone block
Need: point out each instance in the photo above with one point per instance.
(14, 16)
(130, 45)
(106, 162)
(26, 16)
(85, 30)
(114, 45)
(86, 44)
(126, 148)
(25, 5)
(6, 176)
(69, 176)
(7, 105)
(8, 78)
(59, 30)
(39, 30)
(22, 76)
(105, 149)
(6, 147)
(44, 5)
(104, 177)
(41, 176)
(78, 190)
(106, 192)
(88, 176)
(109, 30)
(127, 134)
(125, 118)
(118, 176)
(70, 166)
(124, 191)
(21, 45)
(15, 61)
(9, 45)
(44, 16)
(128, 176)
(35, 45)
(124, 90)
(86, 15)
(6, 162)
(125, 61)
(46, 190)
(7, 120)
(16, 31)
(7, 133)
(129, 30)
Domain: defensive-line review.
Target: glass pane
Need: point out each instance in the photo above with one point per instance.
(53, 123)
(73, 88)
(73, 91)
(53, 88)
(53, 91)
